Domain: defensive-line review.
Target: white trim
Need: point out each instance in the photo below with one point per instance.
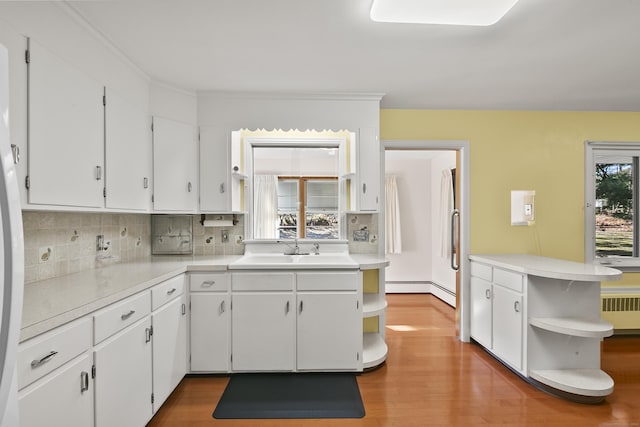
(336, 96)
(463, 147)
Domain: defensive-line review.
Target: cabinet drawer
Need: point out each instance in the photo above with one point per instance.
(330, 281)
(483, 271)
(216, 282)
(110, 320)
(508, 279)
(166, 291)
(264, 281)
(41, 355)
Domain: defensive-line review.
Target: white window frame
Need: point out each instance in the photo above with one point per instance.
(592, 149)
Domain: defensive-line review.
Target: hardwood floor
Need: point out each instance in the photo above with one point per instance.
(432, 379)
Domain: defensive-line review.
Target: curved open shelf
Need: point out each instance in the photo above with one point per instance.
(574, 327)
(374, 350)
(582, 382)
(373, 305)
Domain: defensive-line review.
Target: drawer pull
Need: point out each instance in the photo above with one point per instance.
(84, 381)
(127, 315)
(516, 306)
(208, 283)
(44, 359)
(171, 291)
(487, 293)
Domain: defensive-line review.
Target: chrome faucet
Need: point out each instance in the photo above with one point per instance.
(295, 250)
(316, 246)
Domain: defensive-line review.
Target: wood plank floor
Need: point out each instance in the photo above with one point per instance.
(432, 379)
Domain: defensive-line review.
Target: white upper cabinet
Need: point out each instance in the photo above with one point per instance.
(66, 133)
(127, 154)
(175, 175)
(368, 170)
(215, 171)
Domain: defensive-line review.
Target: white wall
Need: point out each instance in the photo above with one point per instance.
(414, 197)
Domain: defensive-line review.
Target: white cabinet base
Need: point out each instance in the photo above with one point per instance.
(586, 385)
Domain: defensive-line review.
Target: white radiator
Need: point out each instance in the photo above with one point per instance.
(622, 310)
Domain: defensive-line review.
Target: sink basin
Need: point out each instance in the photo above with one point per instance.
(280, 261)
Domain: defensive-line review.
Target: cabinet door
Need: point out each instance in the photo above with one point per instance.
(368, 169)
(123, 378)
(263, 336)
(174, 166)
(329, 331)
(66, 133)
(481, 296)
(169, 349)
(62, 398)
(210, 331)
(127, 154)
(215, 172)
(507, 325)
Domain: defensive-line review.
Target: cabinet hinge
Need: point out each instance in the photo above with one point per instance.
(27, 182)
(153, 398)
(152, 198)
(357, 355)
(93, 371)
(151, 331)
(152, 126)
(104, 100)
(104, 192)
(27, 56)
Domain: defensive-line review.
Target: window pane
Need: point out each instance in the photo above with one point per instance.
(287, 209)
(614, 207)
(321, 209)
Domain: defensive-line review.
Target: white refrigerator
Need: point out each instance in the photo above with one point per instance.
(11, 259)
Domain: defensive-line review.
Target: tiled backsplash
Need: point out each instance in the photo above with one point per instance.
(60, 243)
(363, 222)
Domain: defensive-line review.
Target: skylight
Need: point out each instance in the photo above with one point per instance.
(447, 12)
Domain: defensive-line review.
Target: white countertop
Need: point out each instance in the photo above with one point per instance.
(550, 267)
(54, 302)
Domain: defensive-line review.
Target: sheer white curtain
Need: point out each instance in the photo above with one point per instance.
(392, 230)
(265, 201)
(446, 208)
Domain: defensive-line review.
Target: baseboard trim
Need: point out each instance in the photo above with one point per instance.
(415, 287)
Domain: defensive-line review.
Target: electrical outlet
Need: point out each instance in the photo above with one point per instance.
(224, 236)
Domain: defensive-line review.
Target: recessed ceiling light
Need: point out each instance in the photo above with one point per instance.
(448, 12)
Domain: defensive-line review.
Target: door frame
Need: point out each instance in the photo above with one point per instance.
(462, 147)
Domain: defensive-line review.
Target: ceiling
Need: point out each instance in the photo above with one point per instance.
(543, 55)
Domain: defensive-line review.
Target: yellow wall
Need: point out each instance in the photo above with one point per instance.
(521, 150)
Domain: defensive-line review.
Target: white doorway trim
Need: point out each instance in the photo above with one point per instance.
(463, 148)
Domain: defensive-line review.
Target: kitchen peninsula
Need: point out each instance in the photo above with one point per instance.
(541, 318)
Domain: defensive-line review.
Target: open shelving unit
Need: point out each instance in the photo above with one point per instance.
(374, 309)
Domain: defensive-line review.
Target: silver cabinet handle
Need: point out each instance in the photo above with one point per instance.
(127, 315)
(364, 188)
(189, 186)
(286, 308)
(145, 182)
(184, 309)
(148, 333)
(301, 306)
(208, 283)
(455, 215)
(516, 306)
(15, 150)
(222, 187)
(171, 291)
(98, 173)
(221, 309)
(487, 293)
(84, 381)
(43, 359)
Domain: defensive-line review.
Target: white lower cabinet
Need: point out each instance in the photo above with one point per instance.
(210, 330)
(507, 325)
(263, 331)
(329, 332)
(169, 349)
(62, 398)
(481, 311)
(123, 377)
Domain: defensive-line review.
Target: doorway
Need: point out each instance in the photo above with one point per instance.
(431, 255)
